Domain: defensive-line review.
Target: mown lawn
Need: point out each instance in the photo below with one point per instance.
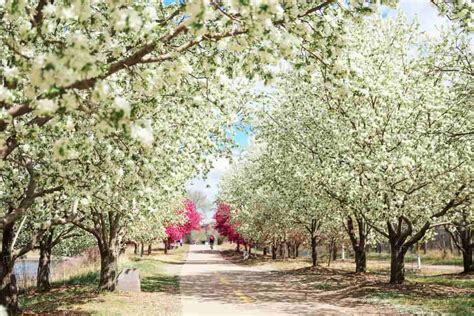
(78, 294)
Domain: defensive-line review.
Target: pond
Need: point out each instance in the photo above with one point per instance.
(27, 268)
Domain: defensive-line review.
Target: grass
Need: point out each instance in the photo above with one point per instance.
(460, 304)
(432, 257)
(78, 293)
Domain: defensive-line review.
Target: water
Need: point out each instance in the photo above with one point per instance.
(28, 268)
(25, 268)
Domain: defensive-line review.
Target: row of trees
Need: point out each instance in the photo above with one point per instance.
(108, 108)
(377, 142)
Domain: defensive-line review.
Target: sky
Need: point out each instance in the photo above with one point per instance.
(429, 20)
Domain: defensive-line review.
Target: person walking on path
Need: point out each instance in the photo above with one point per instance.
(211, 241)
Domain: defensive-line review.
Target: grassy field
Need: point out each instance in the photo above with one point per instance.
(432, 257)
(78, 293)
(430, 291)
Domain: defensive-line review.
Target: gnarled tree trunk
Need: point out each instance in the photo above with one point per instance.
(108, 267)
(358, 241)
(462, 236)
(398, 235)
(8, 286)
(107, 230)
(44, 263)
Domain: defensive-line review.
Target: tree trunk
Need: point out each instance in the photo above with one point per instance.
(331, 245)
(109, 249)
(274, 252)
(314, 254)
(142, 249)
(108, 267)
(462, 237)
(149, 249)
(8, 286)
(297, 247)
(44, 263)
(465, 237)
(135, 248)
(360, 260)
(165, 246)
(467, 260)
(358, 242)
(397, 264)
(334, 251)
(398, 235)
(265, 251)
(379, 248)
(238, 246)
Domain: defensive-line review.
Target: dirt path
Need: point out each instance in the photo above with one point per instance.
(211, 285)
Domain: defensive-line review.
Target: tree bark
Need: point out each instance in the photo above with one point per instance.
(467, 260)
(397, 264)
(265, 251)
(108, 268)
(44, 263)
(331, 246)
(149, 249)
(135, 248)
(358, 241)
(297, 246)
(334, 251)
(398, 235)
(8, 286)
(462, 238)
(274, 252)
(142, 249)
(314, 253)
(360, 260)
(238, 246)
(109, 248)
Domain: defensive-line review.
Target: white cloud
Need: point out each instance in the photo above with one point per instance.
(209, 185)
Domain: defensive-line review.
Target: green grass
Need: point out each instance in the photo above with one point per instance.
(461, 304)
(433, 258)
(463, 283)
(78, 293)
(325, 286)
(151, 276)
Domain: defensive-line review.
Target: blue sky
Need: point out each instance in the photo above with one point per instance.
(429, 20)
